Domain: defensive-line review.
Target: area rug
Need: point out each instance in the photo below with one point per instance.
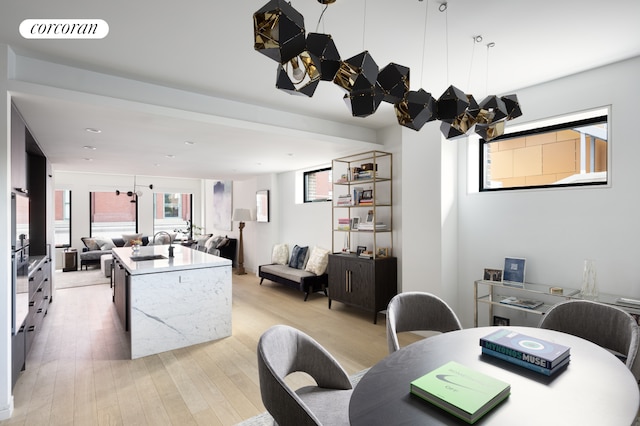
(79, 278)
(264, 419)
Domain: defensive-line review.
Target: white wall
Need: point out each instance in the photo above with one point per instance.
(6, 399)
(556, 229)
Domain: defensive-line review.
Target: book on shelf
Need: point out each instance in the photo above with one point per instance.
(521, 347)
(365, 226)
(522, 303)
(526, 364)
(464, 392)
(366, 254)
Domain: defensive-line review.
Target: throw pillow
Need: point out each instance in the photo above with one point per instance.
(318, 261)
(90, 243)
(106, 244)
(223, 243)
(280, 254)
(130, 237)
(212, 243)
(298, 255)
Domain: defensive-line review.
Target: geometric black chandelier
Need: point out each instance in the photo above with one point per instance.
(306, 59)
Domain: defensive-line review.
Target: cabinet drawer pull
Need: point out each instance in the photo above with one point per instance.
(31, 328)
(32, 304)
(39, 290)
(39, 310)
(31, 279)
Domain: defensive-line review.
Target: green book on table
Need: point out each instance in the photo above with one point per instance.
(461, 391)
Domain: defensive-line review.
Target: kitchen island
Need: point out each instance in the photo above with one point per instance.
(166, 303)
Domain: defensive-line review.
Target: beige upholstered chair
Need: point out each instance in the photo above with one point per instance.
(283, 350)
(608, 326)
(414, 311)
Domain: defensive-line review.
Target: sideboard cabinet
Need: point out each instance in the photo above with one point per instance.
(364, 283)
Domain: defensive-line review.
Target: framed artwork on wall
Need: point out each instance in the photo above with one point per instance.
(222, 193)
(262, 205)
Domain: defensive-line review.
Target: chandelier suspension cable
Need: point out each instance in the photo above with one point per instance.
(486, 76)
(424, 42)
(320, 18)
(443, 8)
(364, 24)
(473, 50)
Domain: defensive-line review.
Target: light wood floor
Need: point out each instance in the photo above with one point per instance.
(78, 372)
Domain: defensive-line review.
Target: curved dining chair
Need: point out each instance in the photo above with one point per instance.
(608, 326)
(414, 311)
(283, 350)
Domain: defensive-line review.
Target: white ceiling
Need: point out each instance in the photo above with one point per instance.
(206, 47)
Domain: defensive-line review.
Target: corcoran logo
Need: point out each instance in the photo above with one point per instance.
(64, 28)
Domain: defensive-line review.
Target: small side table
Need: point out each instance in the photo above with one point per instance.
(70, 260)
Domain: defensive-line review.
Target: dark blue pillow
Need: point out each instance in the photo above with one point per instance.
(298, 254)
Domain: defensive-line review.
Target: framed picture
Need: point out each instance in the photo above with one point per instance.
(367, 194)
(369, 218)
(382, 252)
(222, 194)
(513, 272)
(262, 206)
(492, 275)
(354, 222)
(360, 249)
(500, 321)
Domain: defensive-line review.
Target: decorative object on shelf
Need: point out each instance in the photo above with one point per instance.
(556, 290)
(135, 193)
(589, 280)
(242, 216)
(262, 206)
(360, 250)
(513, 272)
(383, 252)
(279, 33)
(492, 274)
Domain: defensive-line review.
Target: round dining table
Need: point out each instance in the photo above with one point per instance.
(595, 388)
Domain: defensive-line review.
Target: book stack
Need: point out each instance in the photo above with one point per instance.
(344, 224)
(461, 391)
(344, 200)
(522, 303)
(366, 198)
(530, 352)
(366, 254)
(357, 194)
(369, 226)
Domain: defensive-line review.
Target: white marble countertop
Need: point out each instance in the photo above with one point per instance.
(184, 258)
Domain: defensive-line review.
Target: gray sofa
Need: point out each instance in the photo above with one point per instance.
(95, 248)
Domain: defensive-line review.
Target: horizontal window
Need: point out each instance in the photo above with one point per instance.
(317, 185)
(571, 153)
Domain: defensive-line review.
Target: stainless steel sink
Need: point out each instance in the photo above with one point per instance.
(148, 257)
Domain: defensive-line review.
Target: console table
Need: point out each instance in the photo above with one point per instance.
(492, 292)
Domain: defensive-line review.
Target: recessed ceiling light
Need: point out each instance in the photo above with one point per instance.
(189, 143)
(170, 156)
(92, 130)
(89, 147)
(88, 159)
(157, 164)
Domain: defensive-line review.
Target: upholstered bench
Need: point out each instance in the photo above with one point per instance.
(302, 280)
(304, 271)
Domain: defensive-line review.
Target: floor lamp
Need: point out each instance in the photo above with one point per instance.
(242, 216)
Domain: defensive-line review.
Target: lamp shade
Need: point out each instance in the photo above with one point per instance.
(241, 215)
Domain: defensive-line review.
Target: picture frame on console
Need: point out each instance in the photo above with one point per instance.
(501, 321)
(513, 272)
(491, 274)
(360, 249)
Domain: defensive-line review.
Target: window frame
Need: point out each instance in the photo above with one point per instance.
(305, 179)
(189, 221)
(67, 206)
(568, 122)
(91, 203)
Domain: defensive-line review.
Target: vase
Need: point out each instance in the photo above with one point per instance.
(589, 280)
(135, 248)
